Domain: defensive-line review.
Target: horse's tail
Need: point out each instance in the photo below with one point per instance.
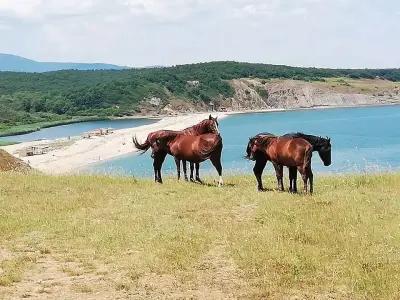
(214, 147)
(142, 147)
(308, 157)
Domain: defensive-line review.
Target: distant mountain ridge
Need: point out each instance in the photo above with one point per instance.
(14, 63)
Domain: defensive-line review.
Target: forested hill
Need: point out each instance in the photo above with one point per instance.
(27, 98)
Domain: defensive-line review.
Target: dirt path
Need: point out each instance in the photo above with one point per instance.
(218, 276)
(50, 278)
(214, 276)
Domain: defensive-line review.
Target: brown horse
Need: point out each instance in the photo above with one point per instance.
(293, 152)
(261, 160)
(194, 149)
(209, 125)
(321, 145)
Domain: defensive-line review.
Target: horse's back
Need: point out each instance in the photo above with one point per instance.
(289, 151)
(195, 148)
(159, 134)
(264, 135)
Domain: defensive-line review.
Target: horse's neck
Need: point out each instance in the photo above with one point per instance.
(195, 129)
(312, 139)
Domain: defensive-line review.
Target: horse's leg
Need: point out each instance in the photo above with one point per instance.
(178, 167)
(155, 167)
(304, 176)
(197, 172)
(258, 170)
(216, 161)
(307, 170)
(311, 179)
(185, 169)
(279, 175)
(160, 162)
(191, 171)
(293, 179)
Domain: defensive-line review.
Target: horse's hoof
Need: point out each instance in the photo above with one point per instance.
(199, 180)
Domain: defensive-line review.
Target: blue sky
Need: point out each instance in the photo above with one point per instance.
(320, 33)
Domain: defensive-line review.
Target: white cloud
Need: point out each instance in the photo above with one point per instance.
(36, 10)
(19, 8)
(154, 32)
(171, 10)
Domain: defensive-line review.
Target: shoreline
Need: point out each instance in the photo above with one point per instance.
(39, 126)
(29, 128)
(272, 110)
(83, 153)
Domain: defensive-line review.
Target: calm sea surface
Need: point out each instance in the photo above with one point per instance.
(76, 129)
(364, 140)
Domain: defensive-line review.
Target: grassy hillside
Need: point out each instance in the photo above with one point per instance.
(99, 237)
(57, 96)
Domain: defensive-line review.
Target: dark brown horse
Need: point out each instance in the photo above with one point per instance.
(321, 145)
(261, 160)
(194, 149)
(209, 125)
(292, 151)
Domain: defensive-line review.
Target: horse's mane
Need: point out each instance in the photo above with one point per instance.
(195, 128)
(314, 140)
(262, 138)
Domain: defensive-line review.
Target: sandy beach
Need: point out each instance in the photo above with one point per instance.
(83, 152)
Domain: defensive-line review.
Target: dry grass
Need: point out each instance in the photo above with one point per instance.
(362, 86)
(11, 163)
(186, 240)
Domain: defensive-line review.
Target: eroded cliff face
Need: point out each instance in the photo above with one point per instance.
(291, 94)
(256, 94)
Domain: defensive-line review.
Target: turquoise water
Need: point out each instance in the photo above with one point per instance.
(364, 140)
(76, 129)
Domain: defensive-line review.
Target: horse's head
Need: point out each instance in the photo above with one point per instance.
(211, 125)
(253, 146)
(324, 149)
(257, 144)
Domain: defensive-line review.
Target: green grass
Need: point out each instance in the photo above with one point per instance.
(343, 241)
(28, 128)
(6, 143)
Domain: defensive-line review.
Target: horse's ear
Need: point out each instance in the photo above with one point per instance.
(210, 117)
(158, 142)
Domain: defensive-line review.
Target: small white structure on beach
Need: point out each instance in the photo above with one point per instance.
(36, 150)
(97, 132)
